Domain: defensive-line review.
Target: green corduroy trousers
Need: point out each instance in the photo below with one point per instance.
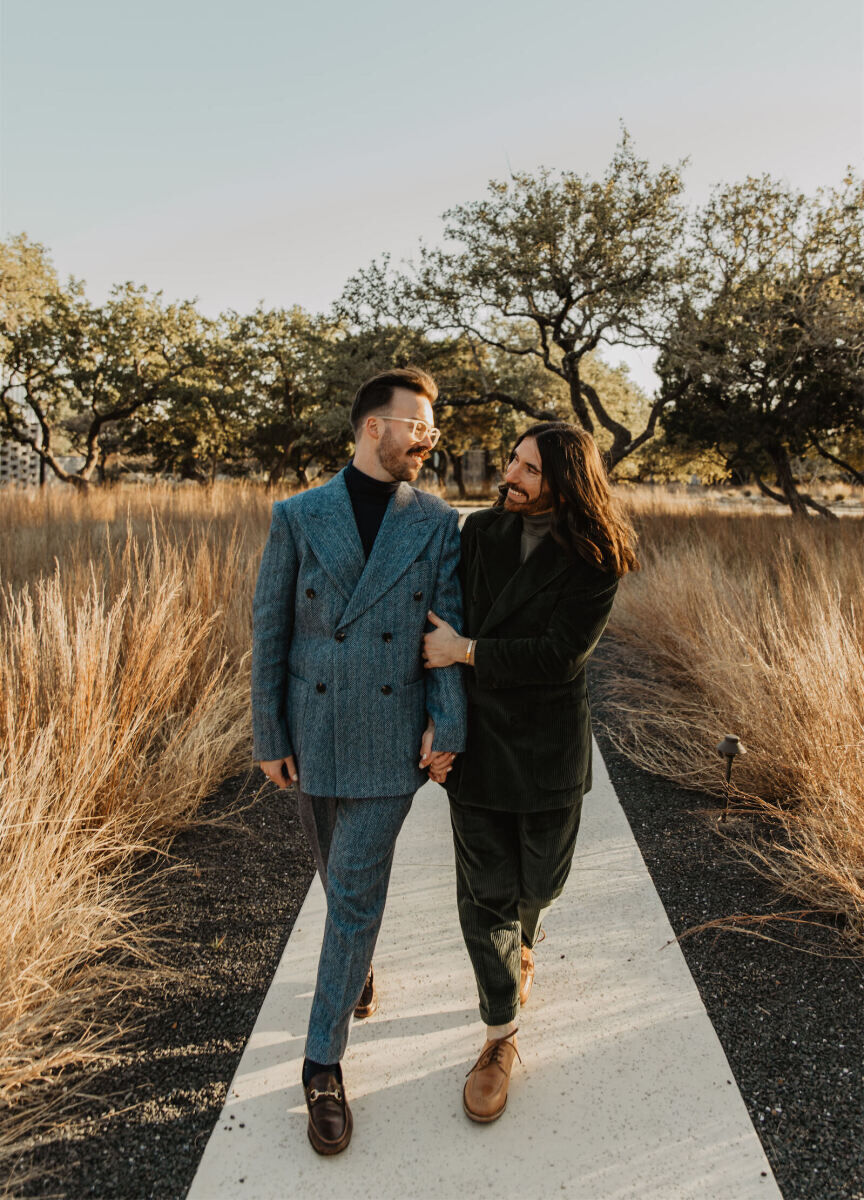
(510, 867)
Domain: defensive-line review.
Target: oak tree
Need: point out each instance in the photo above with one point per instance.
(550, 267)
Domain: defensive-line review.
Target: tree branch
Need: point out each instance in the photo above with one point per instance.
(820, 508)
(620, 433)
(767, 491)
(539, 414)
(845, 466)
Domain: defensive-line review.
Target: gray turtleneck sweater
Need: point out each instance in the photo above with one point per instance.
(534, 529)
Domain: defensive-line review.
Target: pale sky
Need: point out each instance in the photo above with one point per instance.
(266, 150)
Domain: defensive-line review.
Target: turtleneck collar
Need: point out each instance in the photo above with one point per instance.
(538, 523)
(361, 484)
(534, 529)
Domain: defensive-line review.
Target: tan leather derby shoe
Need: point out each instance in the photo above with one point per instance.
(368, 1002)
(484, 1096)
(526, 974)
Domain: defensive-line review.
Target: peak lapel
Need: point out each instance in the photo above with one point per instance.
(396, 547)
(332, 534)
(538, 571)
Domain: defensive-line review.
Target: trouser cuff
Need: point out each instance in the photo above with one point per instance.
(501, 1017)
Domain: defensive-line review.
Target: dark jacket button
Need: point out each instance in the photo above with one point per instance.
(386, 689)
(387, 637)
(340, 635)
(310, 592)
(320, 687)
(418, 595)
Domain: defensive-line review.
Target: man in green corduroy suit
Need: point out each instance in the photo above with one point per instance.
(539, 574)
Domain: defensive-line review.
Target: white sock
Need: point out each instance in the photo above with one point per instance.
(500, 1031)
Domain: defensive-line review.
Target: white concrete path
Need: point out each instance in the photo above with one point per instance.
(625, 1090)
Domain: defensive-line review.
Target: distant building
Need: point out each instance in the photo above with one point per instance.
(19, 464)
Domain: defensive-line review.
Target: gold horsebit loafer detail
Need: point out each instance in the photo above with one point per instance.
(330, 1120)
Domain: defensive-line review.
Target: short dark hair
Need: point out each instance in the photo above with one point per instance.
(377, 392)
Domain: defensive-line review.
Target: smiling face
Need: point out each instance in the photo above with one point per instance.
(526, 492)
(399, 454)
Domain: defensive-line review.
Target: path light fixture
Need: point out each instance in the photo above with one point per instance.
(728, 749)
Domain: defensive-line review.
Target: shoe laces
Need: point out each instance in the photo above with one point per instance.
(492, 1054)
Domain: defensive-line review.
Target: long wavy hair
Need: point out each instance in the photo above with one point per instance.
(587, 522)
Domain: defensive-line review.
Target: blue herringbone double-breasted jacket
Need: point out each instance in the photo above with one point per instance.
(337, 671)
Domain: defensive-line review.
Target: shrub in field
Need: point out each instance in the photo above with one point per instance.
(748, 625)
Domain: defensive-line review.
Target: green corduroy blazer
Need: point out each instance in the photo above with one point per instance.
(528, 746)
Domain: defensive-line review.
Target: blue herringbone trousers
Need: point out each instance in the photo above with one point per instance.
(353, 842)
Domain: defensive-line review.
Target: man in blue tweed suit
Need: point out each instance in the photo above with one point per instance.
(341, 704)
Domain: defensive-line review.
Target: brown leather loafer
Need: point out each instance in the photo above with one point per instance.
(368, 1001)
(484, 1096)
(526, 974)
(330, 1120)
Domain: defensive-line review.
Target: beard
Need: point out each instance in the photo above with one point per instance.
(541, 503)
(403, 465)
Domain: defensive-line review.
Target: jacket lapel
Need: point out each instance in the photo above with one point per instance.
(511, 583)
(333, 537)
(404, 532)
(498, 552)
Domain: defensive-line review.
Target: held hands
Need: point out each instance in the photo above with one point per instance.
(438, 763)
(280, 771)
(283, 771)
(443, 645)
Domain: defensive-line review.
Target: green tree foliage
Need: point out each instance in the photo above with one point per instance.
(72, 370)
(27, 277)
(767, 361)
(550, 267)
(291, 420)
(254, 402)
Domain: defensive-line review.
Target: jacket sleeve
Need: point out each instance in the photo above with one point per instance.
(558, 654)
(445, 691)
(272, 622)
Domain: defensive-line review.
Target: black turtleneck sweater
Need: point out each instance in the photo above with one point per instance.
(369, 499)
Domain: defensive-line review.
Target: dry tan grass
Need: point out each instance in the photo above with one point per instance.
(124, 645)
(752, 627)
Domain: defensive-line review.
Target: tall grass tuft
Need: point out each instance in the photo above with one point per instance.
(754, 627)
(124, 645)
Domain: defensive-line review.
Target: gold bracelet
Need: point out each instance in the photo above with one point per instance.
(471, 644)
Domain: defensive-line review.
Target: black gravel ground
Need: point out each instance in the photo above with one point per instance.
(790, 1021)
